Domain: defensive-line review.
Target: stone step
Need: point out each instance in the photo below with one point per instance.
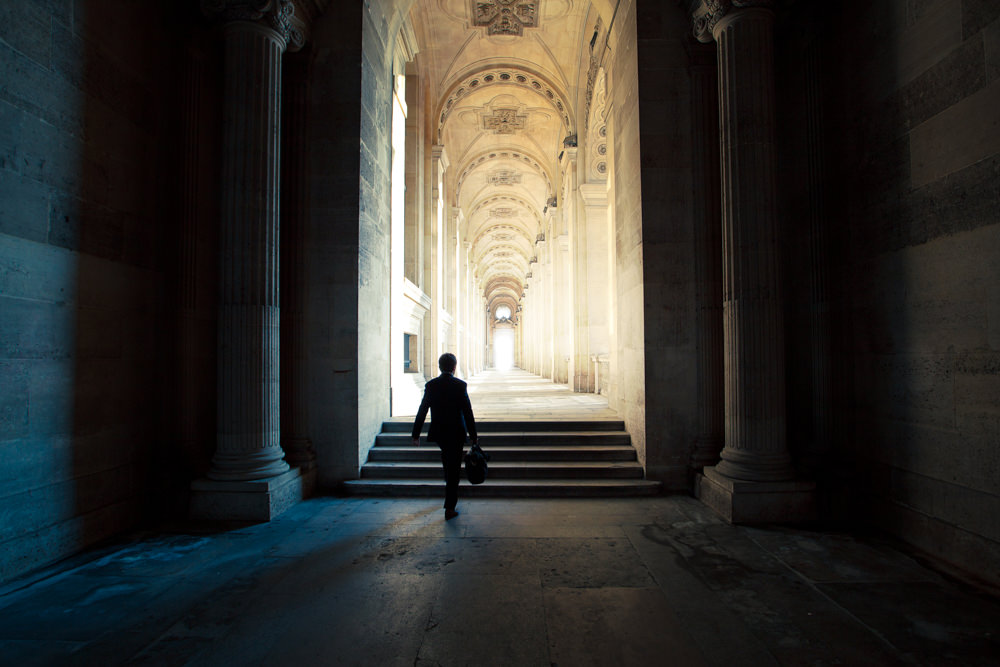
(552, 438)
(504, 454)
(518, 470)
(405, 425)
(507, 488)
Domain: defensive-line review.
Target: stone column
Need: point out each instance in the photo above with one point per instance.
(708, 256)
(821, 350)
(434, 259)
(755, 456)
(592, 282)
(295, 197)
(248, 441)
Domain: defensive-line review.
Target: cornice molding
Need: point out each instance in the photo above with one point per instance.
(706, 14)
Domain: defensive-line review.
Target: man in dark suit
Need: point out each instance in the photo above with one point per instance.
(451, 418)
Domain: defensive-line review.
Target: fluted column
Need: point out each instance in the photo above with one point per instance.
(294, 378)
(248, 444)
(708, 257)
(755, 433)
(819, 268)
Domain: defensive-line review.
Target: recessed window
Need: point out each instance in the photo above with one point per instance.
(409, 353)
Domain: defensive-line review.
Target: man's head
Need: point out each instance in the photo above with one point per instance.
(447, 362)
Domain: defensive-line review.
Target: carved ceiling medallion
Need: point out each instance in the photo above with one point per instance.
(502, 212)
(504, 17)
(505, 177)
(504, 121)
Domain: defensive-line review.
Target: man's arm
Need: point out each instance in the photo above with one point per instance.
(470, 420)
(418, 423)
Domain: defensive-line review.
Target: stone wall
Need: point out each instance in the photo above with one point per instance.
(668, 248)
(94, 320)
(374, 284)
(347, 314)
(628, 393)
(654, 374)
(909, 111)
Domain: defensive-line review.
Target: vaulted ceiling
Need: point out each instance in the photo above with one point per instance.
(505, 77)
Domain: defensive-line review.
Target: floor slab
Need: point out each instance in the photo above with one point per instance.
(361, 581)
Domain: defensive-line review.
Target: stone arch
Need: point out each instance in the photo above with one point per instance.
(519, 154)
(505, 75)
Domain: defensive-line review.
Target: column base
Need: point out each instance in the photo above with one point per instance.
(742, 502)
(255, 500)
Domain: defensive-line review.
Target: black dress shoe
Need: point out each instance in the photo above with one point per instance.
(450, 514)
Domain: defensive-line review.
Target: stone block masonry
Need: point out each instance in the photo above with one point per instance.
(87, 175)
(914, 239)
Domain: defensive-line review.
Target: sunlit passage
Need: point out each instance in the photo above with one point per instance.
(504, 348)
(518, 394)
(503, 193)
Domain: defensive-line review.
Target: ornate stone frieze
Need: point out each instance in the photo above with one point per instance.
(504, 17)
(275, 14)
(505, 177)
(502, 212)
(472, 165)
(706, 14)
(504, 121)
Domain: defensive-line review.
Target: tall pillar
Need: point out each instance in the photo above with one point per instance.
(434, 258)
(708, 256)
(249, 478)
(294, 378)
(753, 482)
(591, 283)
(821, 350)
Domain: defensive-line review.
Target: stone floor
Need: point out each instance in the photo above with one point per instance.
(516, 394)
(351, 581)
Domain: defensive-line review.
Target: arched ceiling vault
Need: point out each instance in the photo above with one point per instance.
(504, 78)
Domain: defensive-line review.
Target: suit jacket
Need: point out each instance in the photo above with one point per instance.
(451, 412)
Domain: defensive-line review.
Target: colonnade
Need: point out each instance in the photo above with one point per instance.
(568, 317)
(568, 286)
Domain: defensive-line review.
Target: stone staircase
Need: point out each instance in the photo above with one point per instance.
(527, 459)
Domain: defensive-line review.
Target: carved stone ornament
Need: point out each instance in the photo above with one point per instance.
(504, 121)
(505, 177)
(504, 17)
(706, 14)
(275, 14)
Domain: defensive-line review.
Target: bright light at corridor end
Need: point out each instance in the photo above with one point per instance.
(503, 349)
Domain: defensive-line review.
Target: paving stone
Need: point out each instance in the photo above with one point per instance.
(927, 622)
(648, 631)
(487, 619)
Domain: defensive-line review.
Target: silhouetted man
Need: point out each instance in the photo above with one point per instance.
(451, 418)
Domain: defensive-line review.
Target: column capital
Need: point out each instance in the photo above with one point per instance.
(706, 14)
(276, 15)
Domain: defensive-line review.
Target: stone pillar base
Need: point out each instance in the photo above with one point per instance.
(737, 501)
(256, 500)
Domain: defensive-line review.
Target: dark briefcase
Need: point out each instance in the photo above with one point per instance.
(475, 464)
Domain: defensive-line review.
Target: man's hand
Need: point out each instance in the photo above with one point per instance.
(415, 442)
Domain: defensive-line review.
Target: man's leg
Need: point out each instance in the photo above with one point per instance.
(451, 459)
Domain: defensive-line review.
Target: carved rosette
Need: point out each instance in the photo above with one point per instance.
(274, 14)
(706, 14)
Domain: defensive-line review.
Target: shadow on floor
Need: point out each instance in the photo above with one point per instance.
(645, 581)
